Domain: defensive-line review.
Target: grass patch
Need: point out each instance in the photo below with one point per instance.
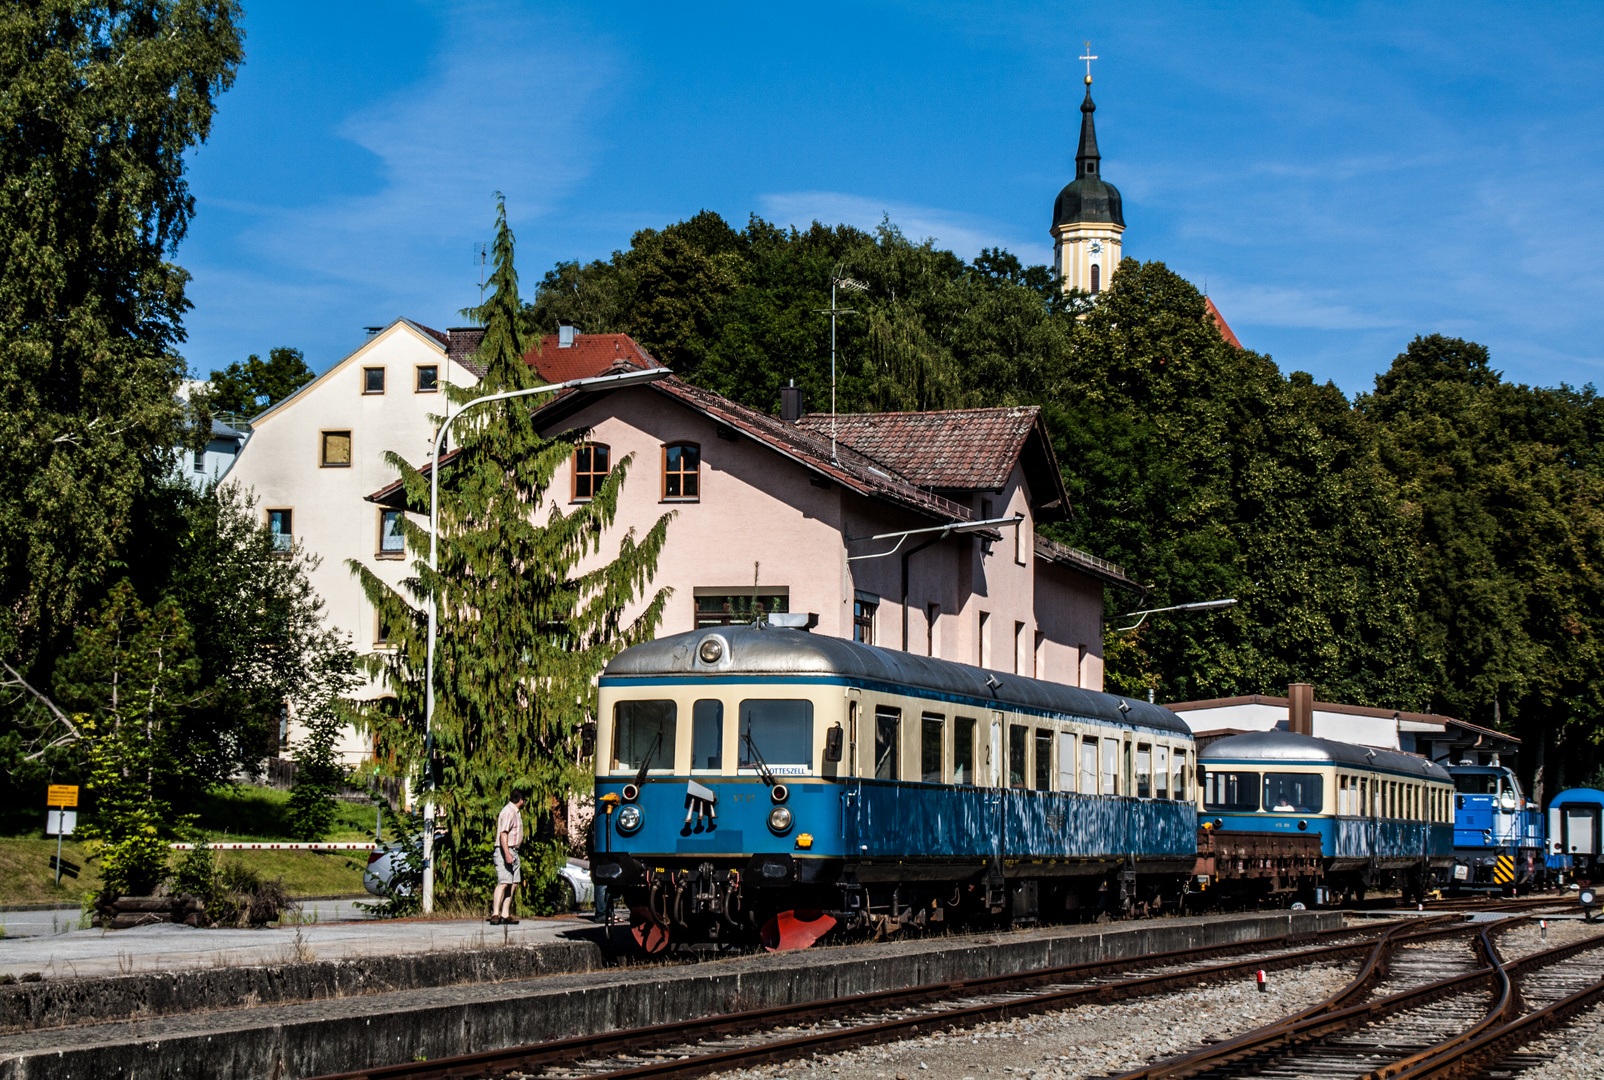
(262, 813)
(27, 875)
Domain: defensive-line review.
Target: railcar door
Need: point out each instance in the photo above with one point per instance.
(1581, 830)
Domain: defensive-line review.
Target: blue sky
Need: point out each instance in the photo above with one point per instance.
(1342, 177)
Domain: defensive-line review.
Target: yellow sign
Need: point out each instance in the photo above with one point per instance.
(1504, 870)
(62, 795)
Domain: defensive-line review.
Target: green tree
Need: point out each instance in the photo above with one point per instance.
(249, 387)
(523, 630)
(100, 103)
(129, 676)
(323, 709)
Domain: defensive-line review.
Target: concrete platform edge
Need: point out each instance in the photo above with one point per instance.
(233, 1047)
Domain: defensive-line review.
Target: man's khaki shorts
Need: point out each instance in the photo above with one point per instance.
(508, 873)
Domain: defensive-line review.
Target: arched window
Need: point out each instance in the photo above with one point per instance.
(591, 462)
(1097, 278)
(681, 471)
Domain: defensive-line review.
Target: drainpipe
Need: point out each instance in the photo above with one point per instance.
(906, 555)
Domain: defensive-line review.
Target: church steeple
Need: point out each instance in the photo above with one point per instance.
(1088, 218)
(1087, 157)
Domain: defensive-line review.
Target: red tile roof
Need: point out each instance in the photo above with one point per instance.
(1219, 321)
(954, 449)
(588, 356)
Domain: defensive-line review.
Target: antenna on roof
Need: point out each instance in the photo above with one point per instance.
(851, 285)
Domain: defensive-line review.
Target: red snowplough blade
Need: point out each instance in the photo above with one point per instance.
(795, 930)
(648, 930)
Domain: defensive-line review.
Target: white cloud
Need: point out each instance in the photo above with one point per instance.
(964, 234)
(1309, 309)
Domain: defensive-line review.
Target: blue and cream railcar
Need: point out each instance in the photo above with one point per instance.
(745, 772)
(1575, 836)
(1381, 818)
(1498, 833)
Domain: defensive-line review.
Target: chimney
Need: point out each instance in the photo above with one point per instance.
(566, 335)
(790, 403)
(1300, 708)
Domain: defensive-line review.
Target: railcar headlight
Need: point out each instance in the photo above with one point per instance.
(780, 819)
(630, 817)
(711, 651)
(1302, 825)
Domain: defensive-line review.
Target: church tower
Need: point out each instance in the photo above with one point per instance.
(1087, 218)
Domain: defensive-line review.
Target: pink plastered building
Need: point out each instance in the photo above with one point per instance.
(877, 534)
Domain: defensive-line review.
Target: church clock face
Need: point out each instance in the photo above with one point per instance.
(1097, 247)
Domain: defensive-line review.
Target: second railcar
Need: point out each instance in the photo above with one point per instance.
(1284, 812)
(745, 773)
(1498, 832)
(1575, 837)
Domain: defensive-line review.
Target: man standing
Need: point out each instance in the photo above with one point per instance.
(509, 834)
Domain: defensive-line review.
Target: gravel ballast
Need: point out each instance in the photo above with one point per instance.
(1091, 1040)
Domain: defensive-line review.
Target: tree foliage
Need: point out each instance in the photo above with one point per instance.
(248, 387)
(100, 102)
(529, 611)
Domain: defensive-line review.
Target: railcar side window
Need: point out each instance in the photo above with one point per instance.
(1018, 748)
(1179, 775)
(1044, 759)
(1110, 765)
(1161, 772)
(642, 729)
(1293, 793)
(1066, 761)
(1088, 766)
(963, 750)
(1475, 784)
(1144, 771)
(932, 729)
(707, 734)
(782, 731)
(1236, 792)
(887, 721)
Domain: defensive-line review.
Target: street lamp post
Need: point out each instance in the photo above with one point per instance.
(629, 378)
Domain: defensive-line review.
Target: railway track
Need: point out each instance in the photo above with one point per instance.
(1445, 1014)
(743, 1039)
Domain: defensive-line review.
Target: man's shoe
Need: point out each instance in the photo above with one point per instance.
(494, 920)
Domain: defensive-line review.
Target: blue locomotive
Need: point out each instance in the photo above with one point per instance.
(1290, 813)
(760, 782)
(1498, 834)
(1575, 844)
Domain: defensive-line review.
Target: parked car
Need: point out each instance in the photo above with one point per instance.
(574, 888)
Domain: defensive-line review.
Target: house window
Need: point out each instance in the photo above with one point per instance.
(200, 461)
(1097, 283)
(1019, 648)
(681, 478)
(381, 629)
(932, 622)
(336, 450)
(278, 526)
(1021, 540)
(373, 380)
(428, 378)
(737, 606)
(392, 541)
(591, 463)
(1038, 660)
(864, 605)
(983, 639)
(1044, 759)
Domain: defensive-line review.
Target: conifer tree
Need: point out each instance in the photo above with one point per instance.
(528, 611)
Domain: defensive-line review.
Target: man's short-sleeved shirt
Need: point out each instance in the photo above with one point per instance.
(511, 822)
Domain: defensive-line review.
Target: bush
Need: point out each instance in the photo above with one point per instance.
(234, 894)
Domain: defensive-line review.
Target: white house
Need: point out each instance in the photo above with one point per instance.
(313, 456)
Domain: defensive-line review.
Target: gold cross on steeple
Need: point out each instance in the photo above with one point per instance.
(1088, 58)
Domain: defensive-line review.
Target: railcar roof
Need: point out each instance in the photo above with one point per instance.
(1586, 795)
(1287, 746)
(778, 651)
